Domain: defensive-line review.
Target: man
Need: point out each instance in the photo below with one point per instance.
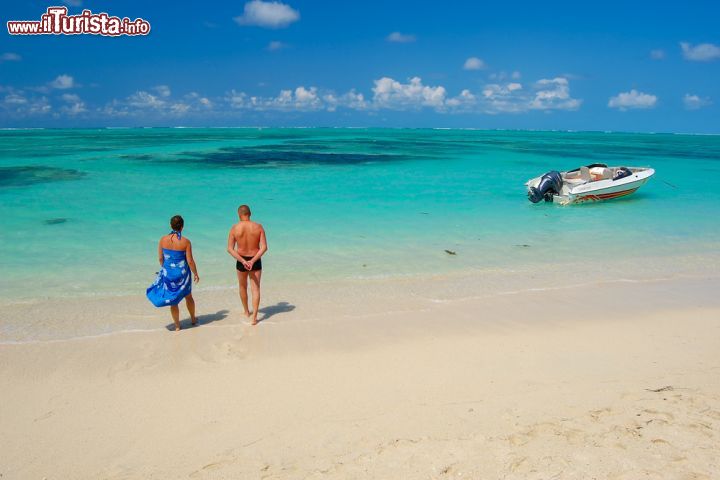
(246, 243)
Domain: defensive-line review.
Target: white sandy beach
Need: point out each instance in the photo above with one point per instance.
(533, 385)
(486, 236)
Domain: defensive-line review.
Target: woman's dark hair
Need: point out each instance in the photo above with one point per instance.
(177, 223)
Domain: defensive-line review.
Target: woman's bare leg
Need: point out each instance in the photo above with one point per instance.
(175, 312)
(190, 304)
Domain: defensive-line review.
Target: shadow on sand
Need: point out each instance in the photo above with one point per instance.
(272, 310)
(202, 320)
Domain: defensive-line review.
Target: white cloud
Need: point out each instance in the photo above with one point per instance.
(695, 102)
(391, 94)
(114, 109)
(554, 94)
(236, 99)
(63, 82)
(143, 100)
(201, 101)
(179, 108)
(465, 101)
(300, 99)
(632, 100)
(15, 99)
(511, 97)
(351, 99)
(160, 103)
(304, 96)
(70, 97)
(74, 106)
(495, 89)
(397, 37)
(75, 109)
(387, 93)
(267, 14)
(10, 57)
(704, 52)
(18, 103)
(474, 63)
(162, 90)
(504, 98)
(39, 106)
(657, 54)
(504, 76)
(275, 45)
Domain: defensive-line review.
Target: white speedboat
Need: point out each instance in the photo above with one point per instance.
(587, 184)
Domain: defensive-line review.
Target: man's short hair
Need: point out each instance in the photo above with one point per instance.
(244, 210)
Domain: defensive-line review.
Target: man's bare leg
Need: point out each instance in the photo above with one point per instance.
(243, 281)
(175, 312)
(190, 304)
(255, 287)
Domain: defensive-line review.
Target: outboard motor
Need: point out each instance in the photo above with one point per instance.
(622, 172)
(549, 185)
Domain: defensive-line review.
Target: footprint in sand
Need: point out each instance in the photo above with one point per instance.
(518, 439)
(518, 464)
(658, 441)
(667, 416)
(598, 415)
(636, 474)
(626, 431)
(232, 349)
(222, 352)
(702, 428)
(46, 415)
(715, 415)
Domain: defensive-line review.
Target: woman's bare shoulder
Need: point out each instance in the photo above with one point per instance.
(170, 242)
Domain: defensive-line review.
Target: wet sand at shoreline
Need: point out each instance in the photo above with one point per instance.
(607, 381)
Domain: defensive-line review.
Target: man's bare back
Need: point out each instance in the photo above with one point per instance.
(246, 244)
(247, 236)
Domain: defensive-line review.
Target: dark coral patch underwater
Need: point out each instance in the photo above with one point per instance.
(235, 157)
(23, 176)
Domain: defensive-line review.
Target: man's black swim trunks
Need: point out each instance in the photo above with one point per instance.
(257, 266)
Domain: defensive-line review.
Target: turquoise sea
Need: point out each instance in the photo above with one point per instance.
(81, 210)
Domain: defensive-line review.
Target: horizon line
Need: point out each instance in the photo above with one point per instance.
(261, 127)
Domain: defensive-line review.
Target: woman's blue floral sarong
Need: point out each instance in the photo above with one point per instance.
(173, 282)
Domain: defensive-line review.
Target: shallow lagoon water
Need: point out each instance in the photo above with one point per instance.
(82, 209)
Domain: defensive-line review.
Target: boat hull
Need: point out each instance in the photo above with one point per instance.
(597, 190)
(608, 193)
(604, 196)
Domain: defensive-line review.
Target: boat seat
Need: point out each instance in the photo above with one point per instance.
(574, 181)
(601, 173)
(585, 174)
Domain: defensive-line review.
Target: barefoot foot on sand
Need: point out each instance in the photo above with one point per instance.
(247, 313)
(193, 322)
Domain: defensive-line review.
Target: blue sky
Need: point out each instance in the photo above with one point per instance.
(636, 66)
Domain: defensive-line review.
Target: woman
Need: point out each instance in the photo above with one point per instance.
(173, 281)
